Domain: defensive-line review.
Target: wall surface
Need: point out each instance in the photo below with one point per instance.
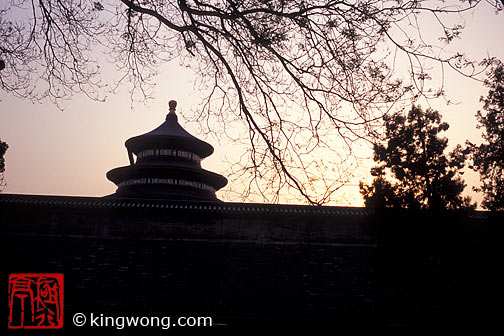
(252, 266)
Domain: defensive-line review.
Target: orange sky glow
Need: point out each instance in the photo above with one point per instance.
(54, 152)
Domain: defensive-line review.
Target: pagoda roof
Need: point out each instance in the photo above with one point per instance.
(169, 134)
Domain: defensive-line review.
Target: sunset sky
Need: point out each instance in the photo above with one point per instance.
(68, 152)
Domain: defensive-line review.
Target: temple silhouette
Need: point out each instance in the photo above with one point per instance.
(168, 165)
(164, 245)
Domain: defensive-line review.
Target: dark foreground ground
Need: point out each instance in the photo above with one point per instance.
(259, 269)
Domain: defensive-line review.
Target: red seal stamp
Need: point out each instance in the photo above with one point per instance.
(36, 301)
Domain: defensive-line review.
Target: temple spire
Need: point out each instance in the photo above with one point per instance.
(172, 105)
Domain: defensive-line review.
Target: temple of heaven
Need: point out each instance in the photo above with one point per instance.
(167, 166)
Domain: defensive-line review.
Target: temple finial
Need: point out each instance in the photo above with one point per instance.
(172, 104)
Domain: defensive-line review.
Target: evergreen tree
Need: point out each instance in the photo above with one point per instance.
(413, 171)
(488, 158)
(3, 149)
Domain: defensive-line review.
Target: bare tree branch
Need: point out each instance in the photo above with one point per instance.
(300, 83)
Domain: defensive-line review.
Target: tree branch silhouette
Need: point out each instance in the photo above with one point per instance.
(305, 80)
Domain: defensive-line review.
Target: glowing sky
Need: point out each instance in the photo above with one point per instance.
(68, 152)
